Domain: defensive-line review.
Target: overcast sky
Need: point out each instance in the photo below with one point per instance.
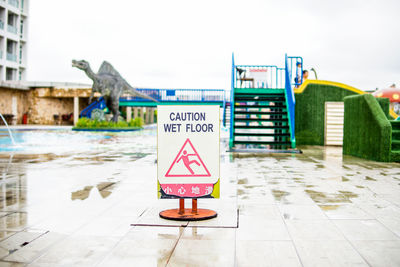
(188, 44)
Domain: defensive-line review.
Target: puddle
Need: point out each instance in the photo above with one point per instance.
(104, 188)
(320, 197)
(81, 194)
(298, 180)
(279, 195)
(252, 186)
(368, 178)
(242, 181)
(329, 207)
(349, 194)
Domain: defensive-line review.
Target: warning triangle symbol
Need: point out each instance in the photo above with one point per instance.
(188, 163)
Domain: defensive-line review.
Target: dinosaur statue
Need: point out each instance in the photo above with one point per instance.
(110, 84)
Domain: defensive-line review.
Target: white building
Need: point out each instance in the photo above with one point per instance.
(13, 39)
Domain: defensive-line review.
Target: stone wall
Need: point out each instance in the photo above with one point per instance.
(41, 104)
(43, 109)
(17, 107)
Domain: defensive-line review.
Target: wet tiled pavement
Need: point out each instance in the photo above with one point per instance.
(96, 205)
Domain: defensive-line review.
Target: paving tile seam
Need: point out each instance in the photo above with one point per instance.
(22, 246)
(351, 244)
(186, 226)
(380, 222)
(47, 248)
(175, 245)
(14, 233)
(290, 236)
(111, 250)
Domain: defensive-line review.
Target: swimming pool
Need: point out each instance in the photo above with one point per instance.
(63, 140)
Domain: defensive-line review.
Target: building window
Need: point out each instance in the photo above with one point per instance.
(12, 23)
(10, 74)
(11, 50)
(13, 3)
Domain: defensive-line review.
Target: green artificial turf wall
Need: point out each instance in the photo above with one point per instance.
(310, 111)
(385, 106)
(367, 131)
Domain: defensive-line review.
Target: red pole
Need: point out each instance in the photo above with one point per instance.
(181, 206)
(194, 205)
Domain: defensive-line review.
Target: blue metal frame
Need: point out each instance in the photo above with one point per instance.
(232, 122)
(290, 102)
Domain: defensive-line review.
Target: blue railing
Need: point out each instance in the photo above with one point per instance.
(232, 123)
(290, 101)
(258, 76)
(179, 95)
(295, 66)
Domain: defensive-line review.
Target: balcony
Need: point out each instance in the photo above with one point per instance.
(12, 29)
(14, 3)
(1, 25)
(11, 57)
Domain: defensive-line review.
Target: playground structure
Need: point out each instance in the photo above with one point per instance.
(262, 104)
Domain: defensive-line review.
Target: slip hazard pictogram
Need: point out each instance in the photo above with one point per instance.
(188, 163)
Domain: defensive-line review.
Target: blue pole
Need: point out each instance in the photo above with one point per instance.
(232, 122)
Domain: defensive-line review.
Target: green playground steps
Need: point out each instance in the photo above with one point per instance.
(395, 153)
(260, 118)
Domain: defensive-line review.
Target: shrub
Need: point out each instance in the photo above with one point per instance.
(88, 123)
(136, 122)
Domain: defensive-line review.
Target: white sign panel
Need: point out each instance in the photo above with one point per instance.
(188, 151)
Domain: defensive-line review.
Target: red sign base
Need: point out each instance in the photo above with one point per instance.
(192, 214)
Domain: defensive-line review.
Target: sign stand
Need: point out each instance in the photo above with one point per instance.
(183, 214)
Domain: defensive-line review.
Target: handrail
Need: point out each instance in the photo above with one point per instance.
(290, 102)
(178, 95)
(232, 118)
(271, 79)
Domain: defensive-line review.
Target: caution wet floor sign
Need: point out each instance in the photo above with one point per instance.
(188, 151)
